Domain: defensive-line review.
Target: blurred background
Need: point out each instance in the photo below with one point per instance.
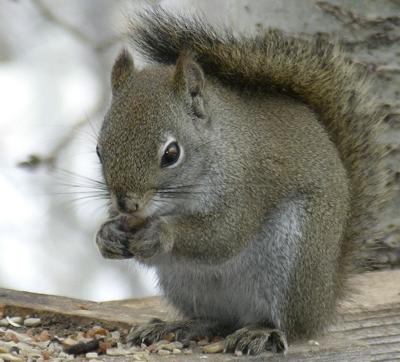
(55, 61)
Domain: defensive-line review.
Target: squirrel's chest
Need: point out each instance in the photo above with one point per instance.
(249, 287)
(204, 294)
(201, 294)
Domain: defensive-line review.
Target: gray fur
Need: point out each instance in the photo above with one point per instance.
(252, 228)
(254, 218)
(236, 291)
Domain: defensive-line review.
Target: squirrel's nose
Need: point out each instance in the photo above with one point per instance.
(126, 204)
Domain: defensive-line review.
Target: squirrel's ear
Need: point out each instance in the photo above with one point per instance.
(189, 78)
(122, 69)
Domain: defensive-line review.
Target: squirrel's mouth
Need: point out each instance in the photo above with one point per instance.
(114, 236)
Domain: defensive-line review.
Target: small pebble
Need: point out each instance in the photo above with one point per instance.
(105, 345)
(214, 347)
(169, 337)
(238, 353)
(141, 356)
(46, 355)
(15, 350)
(16, 337)
(96, 331)
(43, 336)
(163, 352)
(160, 343)
(32, 322)
(63, 355)
(176, 351)
(54, 348)
(91, 355)
(203, 342)
(117, 352)
(10, 358)
(171, 346)
(135, 349)
(81, 337)
(137, 358)
(10, 336)
(187, 351)
(68, 342)
(311, 342)
(156, 346)
(115, 336)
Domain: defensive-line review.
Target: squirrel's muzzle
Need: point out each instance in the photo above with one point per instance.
(126, 204)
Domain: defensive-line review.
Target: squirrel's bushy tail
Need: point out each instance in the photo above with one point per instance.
(314, 71)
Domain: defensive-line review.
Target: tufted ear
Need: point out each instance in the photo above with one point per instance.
(189, 79)
(122, 69)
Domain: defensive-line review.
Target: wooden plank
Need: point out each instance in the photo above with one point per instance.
(368, 326)
(81, 311)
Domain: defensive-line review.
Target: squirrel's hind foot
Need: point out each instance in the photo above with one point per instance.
(254, 340)
(183, 331)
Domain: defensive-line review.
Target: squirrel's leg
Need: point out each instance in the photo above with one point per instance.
(184, 330)
(255, 339)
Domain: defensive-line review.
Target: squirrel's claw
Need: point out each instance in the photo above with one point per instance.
(255, 340)
(252, 340)
(183, 331)
(157, 329)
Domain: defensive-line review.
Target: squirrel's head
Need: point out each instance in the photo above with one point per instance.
(153, 142)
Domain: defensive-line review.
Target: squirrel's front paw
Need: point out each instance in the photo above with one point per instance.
(118, 240)
(254, 340)
(113, 242)
(145, 243)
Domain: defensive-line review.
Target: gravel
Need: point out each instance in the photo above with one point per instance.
(30, 339)
(32, 322)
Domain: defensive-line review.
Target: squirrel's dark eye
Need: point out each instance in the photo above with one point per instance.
(171, 155)
(98, 154)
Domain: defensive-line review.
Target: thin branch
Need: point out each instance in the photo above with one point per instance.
(34, 161)
(50, 16)
(348, 18)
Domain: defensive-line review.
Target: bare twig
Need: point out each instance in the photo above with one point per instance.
(347, 17)
(344, 16)
(34, 161)
(388, 68)
(49, 15)
(50, 160)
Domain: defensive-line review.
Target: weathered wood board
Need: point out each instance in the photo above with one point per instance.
(368, 326)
